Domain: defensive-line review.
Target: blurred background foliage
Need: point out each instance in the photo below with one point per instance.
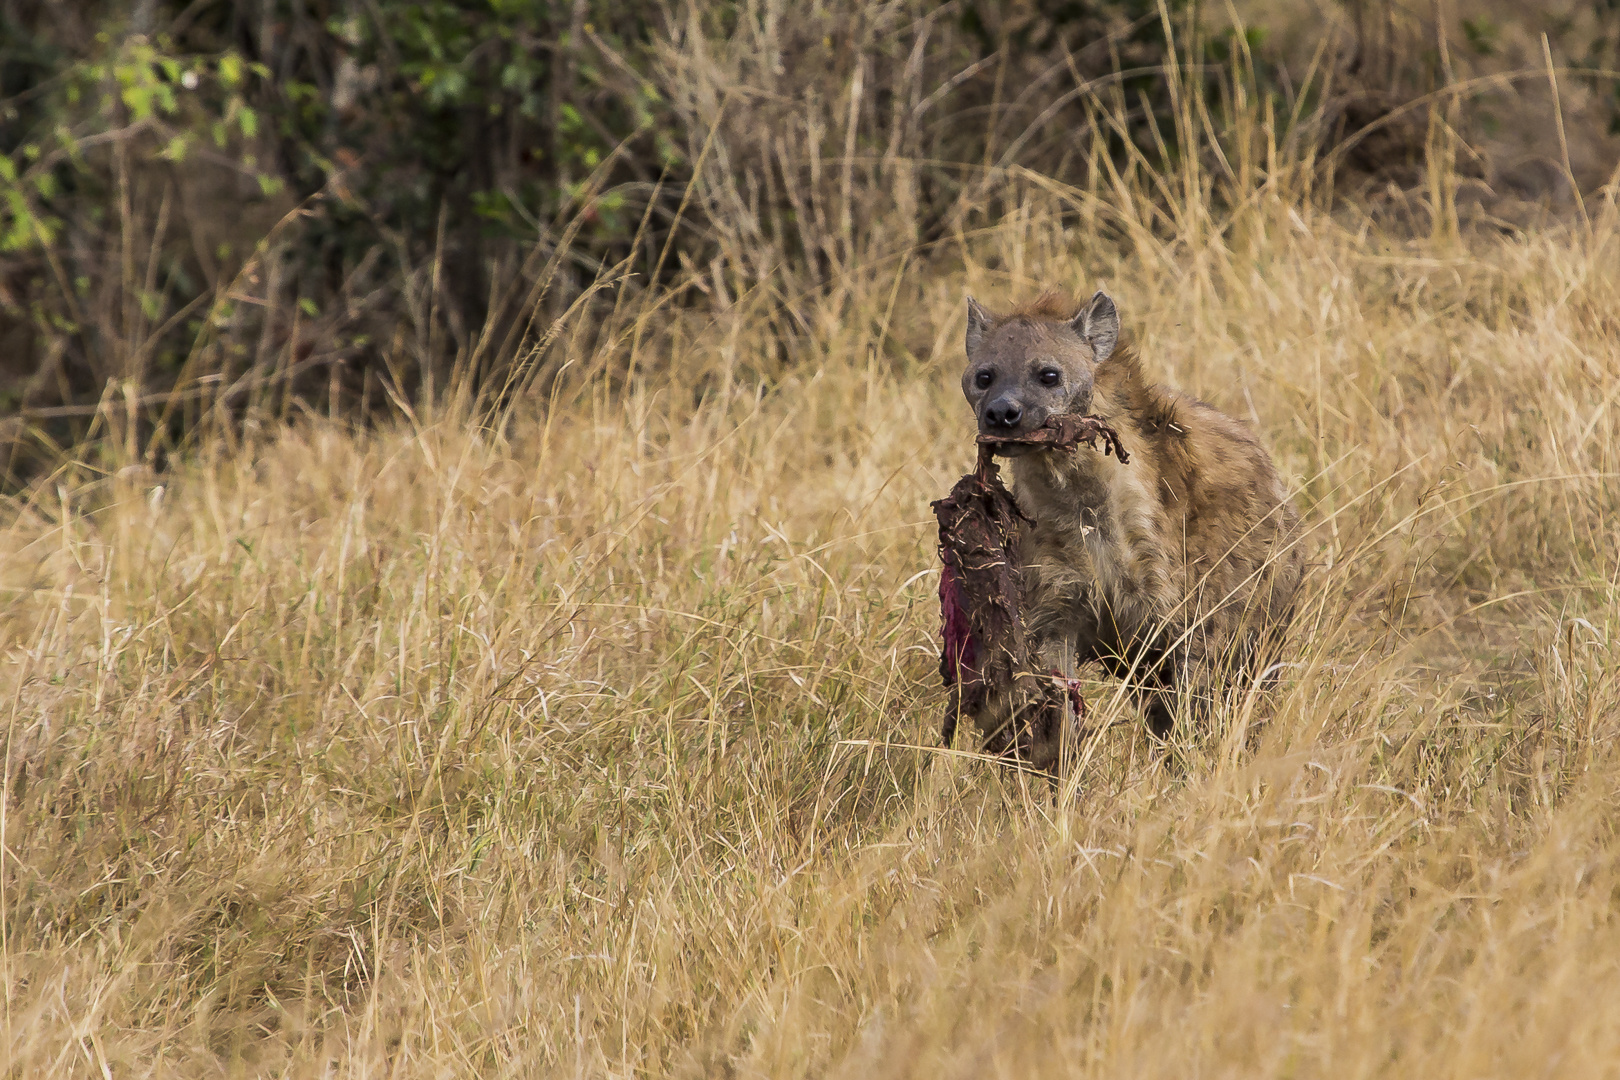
(214, 212)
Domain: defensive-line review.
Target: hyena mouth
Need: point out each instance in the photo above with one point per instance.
(1009, 448)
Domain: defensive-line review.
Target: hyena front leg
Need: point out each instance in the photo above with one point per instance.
(1063, 626)
(1062, 616)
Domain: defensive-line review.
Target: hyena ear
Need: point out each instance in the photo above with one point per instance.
(1098, 325)
(978, 324)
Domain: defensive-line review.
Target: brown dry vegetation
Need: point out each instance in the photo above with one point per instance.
(597, 741)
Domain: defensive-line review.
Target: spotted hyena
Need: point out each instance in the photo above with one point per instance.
(1171, 570)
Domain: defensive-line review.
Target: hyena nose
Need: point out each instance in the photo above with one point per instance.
(1003, 414)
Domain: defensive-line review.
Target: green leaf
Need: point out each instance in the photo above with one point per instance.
(1481, 34)
(138, 99)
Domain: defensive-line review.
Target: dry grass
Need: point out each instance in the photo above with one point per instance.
(588, 744)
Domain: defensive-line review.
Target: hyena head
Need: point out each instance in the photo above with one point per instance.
(1035, 364)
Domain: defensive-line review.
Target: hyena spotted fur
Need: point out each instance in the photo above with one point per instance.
(1178, 570)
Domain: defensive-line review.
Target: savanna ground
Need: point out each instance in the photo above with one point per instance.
(596, 734)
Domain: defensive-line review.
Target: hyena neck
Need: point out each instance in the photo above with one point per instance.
(1120, 392)
(1079, 480)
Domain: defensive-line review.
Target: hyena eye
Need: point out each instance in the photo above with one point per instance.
(1051, 376)
(983, 379)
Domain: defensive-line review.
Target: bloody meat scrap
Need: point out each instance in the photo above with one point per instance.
(986, 661)
(1065, 433)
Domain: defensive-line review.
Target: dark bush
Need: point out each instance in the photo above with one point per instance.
(231, 210)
